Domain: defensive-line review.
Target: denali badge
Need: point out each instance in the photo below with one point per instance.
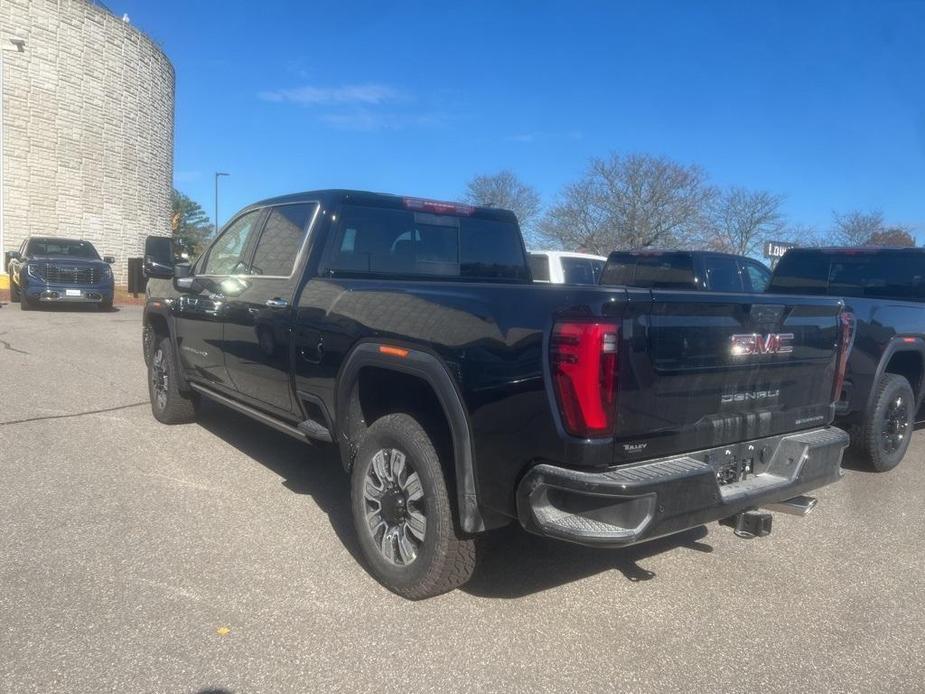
(745, 396)
(772, 343)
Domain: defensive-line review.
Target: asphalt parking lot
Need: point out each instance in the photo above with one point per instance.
(219, 556)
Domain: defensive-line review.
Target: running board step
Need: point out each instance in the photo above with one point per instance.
(314, 430)
(251, 412)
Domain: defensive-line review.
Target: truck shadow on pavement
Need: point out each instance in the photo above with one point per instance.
(512, 562)
(309, 469)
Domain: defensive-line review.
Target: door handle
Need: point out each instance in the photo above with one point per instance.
(276, 303)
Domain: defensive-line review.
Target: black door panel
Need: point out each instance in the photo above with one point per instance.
(258, 318)
(199, 335)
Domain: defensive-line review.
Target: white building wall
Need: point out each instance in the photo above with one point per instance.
(88, 128)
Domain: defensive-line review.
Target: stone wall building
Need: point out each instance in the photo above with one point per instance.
(88, 112)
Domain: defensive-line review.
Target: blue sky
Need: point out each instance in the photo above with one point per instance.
(823, 102)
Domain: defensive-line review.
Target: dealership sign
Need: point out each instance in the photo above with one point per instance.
(776, 249)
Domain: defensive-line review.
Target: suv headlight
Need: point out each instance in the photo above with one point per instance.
(33, 272)
(107, 272)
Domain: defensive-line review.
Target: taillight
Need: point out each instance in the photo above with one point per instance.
(845, 341)
(583, 362)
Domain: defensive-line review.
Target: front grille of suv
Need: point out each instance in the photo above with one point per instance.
(55, 273)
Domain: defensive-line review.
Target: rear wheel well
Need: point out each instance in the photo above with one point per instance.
(907, 364)
(379, 392)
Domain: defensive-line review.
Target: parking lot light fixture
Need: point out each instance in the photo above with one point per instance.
(217, 174)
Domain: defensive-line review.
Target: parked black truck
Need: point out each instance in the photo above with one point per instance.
(462, 396)
(884, 288)
(695, 270)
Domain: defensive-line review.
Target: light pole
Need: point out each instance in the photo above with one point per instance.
(10, 43)
(217, 174)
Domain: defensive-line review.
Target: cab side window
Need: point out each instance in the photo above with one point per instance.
(756, 276)
(281, 240)
(539, 266)
(722, 274)
(227, 255)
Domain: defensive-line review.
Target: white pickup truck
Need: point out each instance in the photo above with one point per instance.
(564, 267)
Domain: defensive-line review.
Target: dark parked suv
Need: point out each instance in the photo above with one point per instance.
(462, 396)
(884, 289)
(54, 270)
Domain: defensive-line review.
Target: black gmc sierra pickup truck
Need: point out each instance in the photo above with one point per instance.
(462, 396)
(884, 289)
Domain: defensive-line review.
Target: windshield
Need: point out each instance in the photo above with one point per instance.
(63, 247)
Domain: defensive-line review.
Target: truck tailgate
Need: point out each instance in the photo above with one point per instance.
(710, 369)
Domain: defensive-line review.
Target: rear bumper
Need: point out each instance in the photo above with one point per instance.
(628, 504)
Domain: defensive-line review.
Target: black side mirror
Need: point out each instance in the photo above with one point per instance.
(109, 259)
(159, 257)
(14, 255)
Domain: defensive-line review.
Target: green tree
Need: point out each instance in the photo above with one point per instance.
(189, 223)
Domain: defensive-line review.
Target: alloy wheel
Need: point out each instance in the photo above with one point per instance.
(895, 425)
(159, 379)
(395, 512)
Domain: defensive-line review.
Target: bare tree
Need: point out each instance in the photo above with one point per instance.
(894, 237)
(805, 235)
(630, 201)
(855, 228)
(504, 189)
(740, 221)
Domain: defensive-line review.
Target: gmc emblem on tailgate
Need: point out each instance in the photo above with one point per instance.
(772, 343)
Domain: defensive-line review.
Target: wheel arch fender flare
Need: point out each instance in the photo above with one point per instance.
(427, 366)
(162, 310)
(896, 345)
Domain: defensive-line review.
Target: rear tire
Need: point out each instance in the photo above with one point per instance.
(402, 512)
(169, 404)
(887, 428)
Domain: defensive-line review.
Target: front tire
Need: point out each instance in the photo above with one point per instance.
(25, 303)
(105, 306)
(169, 404)
(402, 512)
(887, 428)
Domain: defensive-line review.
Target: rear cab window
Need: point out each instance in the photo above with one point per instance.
(872, 274)
(580, 270)
(801, 273)
(371, 240)
(650, 271)
(878, 275)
